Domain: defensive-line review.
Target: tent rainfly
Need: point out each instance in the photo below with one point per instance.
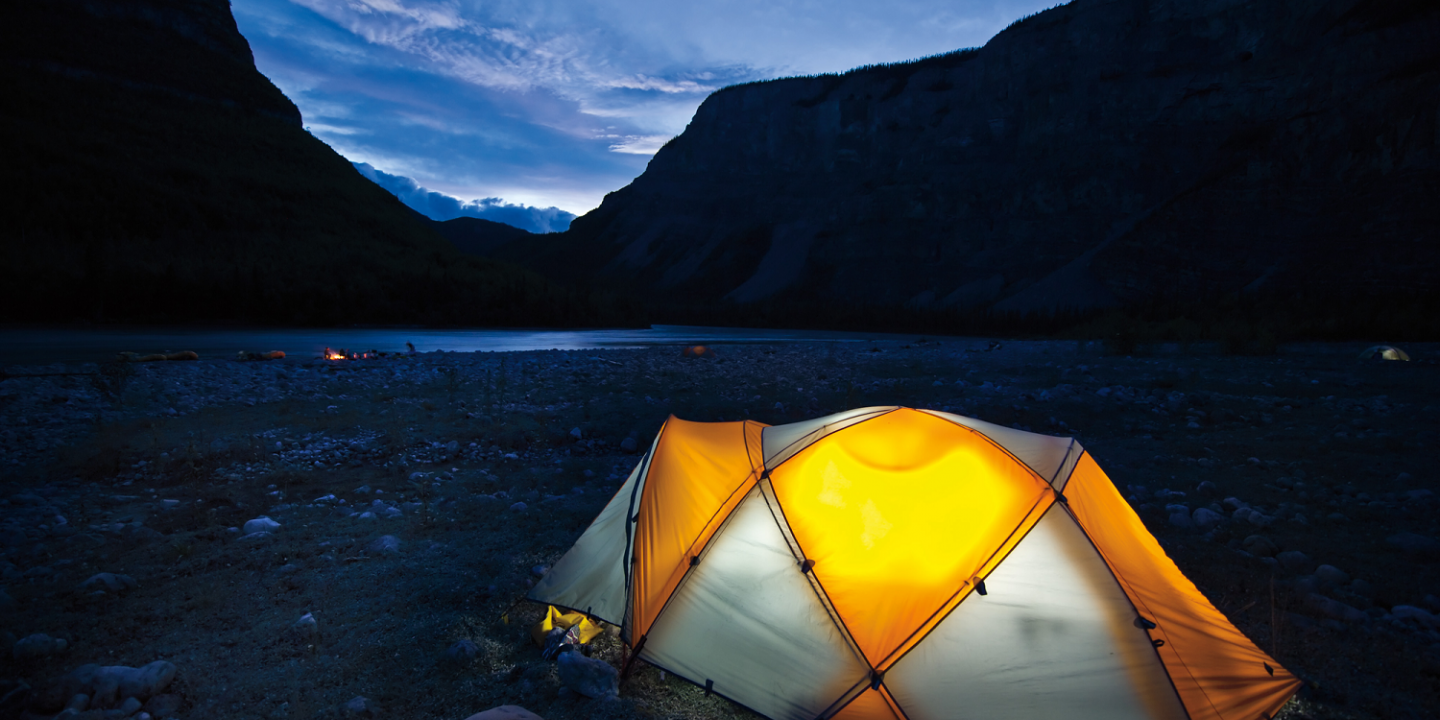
(897, 563)
(1384, 352)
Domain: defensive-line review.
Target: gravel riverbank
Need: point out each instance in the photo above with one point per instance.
(305, 538)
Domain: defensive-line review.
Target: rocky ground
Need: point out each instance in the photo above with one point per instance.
(305, 538)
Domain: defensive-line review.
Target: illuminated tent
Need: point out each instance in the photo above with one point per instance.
(1384, 352)
(897, 563)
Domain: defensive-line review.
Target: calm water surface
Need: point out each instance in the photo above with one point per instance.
(44, 346)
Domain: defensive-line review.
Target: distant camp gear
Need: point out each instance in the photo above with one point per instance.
(1384, 352)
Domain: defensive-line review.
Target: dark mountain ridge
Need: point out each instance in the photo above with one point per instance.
(1103, 153)
(154, 175)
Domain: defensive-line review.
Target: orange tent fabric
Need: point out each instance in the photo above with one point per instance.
(902, 564)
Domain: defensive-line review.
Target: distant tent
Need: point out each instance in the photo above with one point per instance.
(1383, 352)
(897, 563)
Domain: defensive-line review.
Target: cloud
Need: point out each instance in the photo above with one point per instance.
(558, 102)
(438, 206)
(640, 144)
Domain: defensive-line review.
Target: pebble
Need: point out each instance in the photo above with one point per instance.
(36, 646)
(629, 445)
(385, 544)
(261, 524)
(305, 628)
(518, 507)
(78, 703)
(130, 707)
(463, 651)
(108, 582)
(163, 706)
(1181, 518)
(256, 537)
(591, 677)
(359, 706)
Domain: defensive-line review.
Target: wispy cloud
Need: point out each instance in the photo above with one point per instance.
(640, 145)
(563, 98)
(438, 206)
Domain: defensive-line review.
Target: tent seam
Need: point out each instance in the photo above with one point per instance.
(801, 439)
(957, 605)
(690, 570)
(637, 495)
(815, 585)
(1002, 448)
(1132, 596)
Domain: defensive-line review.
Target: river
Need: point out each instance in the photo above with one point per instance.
(42, 346)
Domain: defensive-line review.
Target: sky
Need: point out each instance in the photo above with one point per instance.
(529, 112)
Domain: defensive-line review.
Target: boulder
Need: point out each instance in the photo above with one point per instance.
(37, 646)
(261, 524)
(108, 582)
(1295, 561)
(1332, 576)
(1322, 606)
(1416, 545)
(1259, 546)
(1205, 518)
(505, 712)
(588, 676)
(1421, 617)
(108, 685)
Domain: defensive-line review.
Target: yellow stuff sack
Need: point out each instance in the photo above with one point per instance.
(555, 619)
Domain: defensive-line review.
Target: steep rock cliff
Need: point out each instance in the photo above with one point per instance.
(1103, 152)
(153, 174)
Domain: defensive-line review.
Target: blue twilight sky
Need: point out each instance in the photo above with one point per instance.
(463, 104)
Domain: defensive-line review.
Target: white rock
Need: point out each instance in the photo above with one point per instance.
(305, 628)
(107, 685)
(256, 537)
(261, 524)
(109, 582)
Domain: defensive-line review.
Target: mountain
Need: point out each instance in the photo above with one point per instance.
(154, 175)
(478, 236)
(1105, 153)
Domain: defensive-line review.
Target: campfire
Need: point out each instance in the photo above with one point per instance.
(343, 354)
